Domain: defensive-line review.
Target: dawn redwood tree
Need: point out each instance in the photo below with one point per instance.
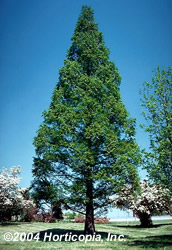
(86, 143)
(157, 103)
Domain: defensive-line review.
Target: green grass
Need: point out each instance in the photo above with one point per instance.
(135, 237)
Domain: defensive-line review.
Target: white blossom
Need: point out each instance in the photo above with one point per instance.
(152, 198)
(11, 195)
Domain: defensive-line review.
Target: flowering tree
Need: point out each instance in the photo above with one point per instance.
(150, 199)
(12, 197)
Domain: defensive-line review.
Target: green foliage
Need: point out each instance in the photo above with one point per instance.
(47, 196)
(86, 143)
(157, 101)
(70, 216)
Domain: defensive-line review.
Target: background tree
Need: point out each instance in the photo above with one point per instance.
(12, 198)
(157, 101)
(86, 144)
(149, 200)
(47, 197)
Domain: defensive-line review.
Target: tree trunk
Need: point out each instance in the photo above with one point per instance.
(89, 221)
(145, 220)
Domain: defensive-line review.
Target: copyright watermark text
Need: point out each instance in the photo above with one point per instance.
(49, 236)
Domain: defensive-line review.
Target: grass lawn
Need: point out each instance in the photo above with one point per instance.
(157, 237)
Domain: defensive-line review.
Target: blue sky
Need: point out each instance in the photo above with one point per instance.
(35, 36)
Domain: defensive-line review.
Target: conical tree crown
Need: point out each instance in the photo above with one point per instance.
(88, 44)
(86, 134)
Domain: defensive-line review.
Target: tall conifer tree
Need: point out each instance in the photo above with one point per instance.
(86, 143)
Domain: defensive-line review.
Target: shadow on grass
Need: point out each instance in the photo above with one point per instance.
(148, 242)
(11, 223)
(66, 235)
(139, 226)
